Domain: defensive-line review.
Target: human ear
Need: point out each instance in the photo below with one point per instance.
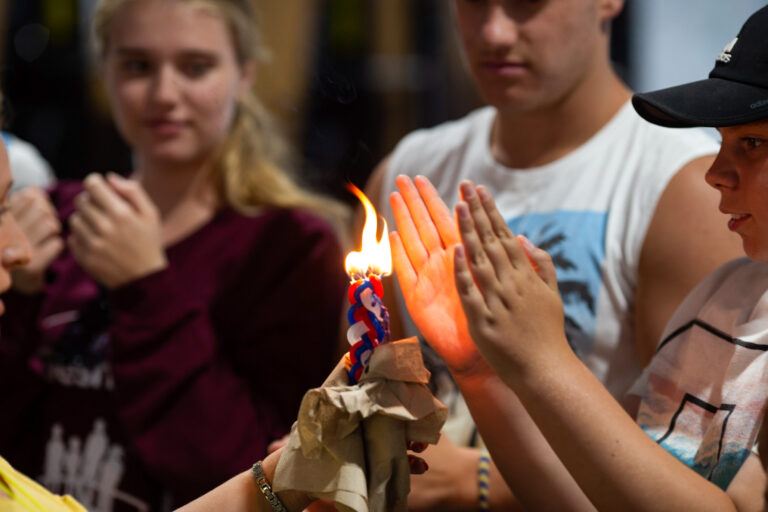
(609, 9)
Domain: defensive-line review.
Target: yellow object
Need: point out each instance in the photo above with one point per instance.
(19, 493)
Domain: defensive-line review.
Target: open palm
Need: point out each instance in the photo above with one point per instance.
(422, 250)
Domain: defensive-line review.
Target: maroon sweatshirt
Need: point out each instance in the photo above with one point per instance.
(154, 393)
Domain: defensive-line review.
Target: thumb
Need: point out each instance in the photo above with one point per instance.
(131, 191)
(541, 262)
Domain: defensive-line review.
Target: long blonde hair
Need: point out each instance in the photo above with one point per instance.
(250, 171)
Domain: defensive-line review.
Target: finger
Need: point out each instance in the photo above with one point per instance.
(403, 268)
(277, 444)
(29, 205)
(416, 446)
(133, 192)
(424, 224)
(500, 228)
(411, 242)
(81, 230)
(41, 229)
(441, 215)
(77, 248)
(472, 301)
(104, 197)
(50, 249)
(95, 217)
(417, 465)
(492, 246)
(541, 262)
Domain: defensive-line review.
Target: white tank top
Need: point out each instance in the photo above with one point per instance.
(589, 209)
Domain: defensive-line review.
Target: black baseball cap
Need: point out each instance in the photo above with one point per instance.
(736, 91)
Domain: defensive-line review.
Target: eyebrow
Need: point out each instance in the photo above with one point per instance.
(130, 50)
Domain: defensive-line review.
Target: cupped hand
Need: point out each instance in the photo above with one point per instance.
(37, 219)
(422, 254)
(116, 231)
(508, 289)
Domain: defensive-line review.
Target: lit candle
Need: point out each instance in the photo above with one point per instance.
(367, 316)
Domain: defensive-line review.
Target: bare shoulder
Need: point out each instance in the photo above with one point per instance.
(687, 239)
(687, 226)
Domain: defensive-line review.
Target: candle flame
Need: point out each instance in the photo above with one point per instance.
(375, 256)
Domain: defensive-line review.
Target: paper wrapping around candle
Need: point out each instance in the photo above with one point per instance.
(327, 452)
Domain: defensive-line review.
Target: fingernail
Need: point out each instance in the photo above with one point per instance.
(483, 193)
(462, 210)
(526, 243)
(458, 252)
(467, 190)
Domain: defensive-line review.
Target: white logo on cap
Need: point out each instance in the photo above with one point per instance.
(725, 55)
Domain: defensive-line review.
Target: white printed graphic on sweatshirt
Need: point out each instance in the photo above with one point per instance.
(91, 473)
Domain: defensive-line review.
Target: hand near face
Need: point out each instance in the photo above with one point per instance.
(422, 253)
(508, 289)
(37, 219)
(116, 232)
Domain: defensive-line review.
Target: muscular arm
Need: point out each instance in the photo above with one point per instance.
(686, 240)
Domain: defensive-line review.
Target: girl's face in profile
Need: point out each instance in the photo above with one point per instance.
(740, 173)
(173, 79)
(14, 249)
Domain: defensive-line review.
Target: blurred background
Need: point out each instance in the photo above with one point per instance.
(346, 78)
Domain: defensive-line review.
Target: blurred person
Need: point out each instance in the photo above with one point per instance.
(17, 491)
(689, 441)
(177, 316)
(618, 202)
(28, 167)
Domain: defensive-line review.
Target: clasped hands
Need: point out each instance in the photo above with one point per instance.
(115, 233)
(484, 299)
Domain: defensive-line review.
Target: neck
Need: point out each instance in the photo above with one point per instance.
(171, 186)
(529, 139)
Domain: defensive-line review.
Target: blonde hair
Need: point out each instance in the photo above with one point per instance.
(250, 170)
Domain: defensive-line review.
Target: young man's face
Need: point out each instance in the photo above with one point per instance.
(740, 173)
(528, 54)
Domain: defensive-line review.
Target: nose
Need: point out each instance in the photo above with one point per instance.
(17, 252)
(722, 173)
(165, 86)
(499, 27)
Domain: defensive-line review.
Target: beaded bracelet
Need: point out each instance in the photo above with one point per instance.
(266, 489)
(483, 478)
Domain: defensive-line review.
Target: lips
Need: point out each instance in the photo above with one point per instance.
(737, 220)
(503, 67)
(165, 127)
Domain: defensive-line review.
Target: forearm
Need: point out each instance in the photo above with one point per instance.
(529, 466)
(612, 459)
(240, 493)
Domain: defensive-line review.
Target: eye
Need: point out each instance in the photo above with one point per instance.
(197, 68)
(752, 142)
(135, 66)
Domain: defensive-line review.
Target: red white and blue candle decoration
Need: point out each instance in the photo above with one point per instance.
(367, 316)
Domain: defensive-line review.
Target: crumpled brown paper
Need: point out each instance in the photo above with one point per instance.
(349, 442)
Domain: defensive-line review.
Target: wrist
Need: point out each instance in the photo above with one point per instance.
(292, 500)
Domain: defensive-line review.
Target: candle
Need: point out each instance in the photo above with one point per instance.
(367, 316)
